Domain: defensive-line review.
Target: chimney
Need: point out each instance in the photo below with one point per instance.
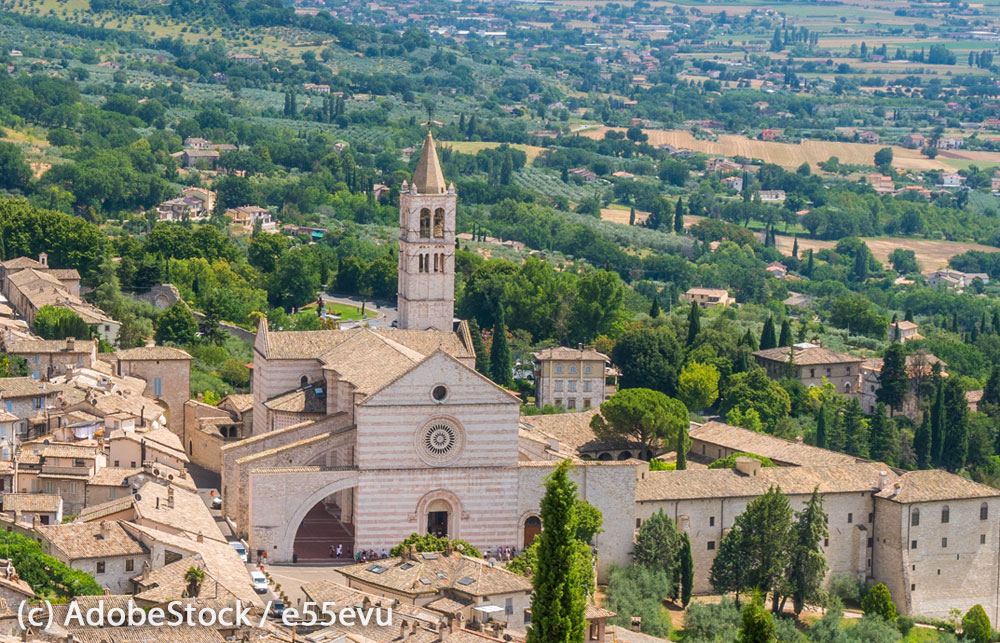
(43, 258)
(170, 497)
(747, 466)
(106, 528)
(883, 480)
(201, 537)
(70, 343)
(404, 629)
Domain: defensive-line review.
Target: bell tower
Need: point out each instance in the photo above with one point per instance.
(426, 298)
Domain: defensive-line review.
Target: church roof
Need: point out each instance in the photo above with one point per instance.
(316, 344)
(777, 449)
(353, 359)
(428, 176)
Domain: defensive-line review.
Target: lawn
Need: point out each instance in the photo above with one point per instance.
(347, 312)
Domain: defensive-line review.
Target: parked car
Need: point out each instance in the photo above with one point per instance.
(277, 609)
(240, 549)
(259, 582)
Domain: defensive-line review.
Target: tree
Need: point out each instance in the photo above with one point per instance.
(15, 173)
(559, 602)
(808, 564)
(501, 370)
(295, 280)
(878, 602)
(884, 438)
(753, 389)
(479, 348)
(108, 294)
(698, 385)
(785, 338)
(767, 337)
(728, 573)
(883, 157)
(855, 429)
(635, 591)
(176, 326)
(640, 415)
(679, 216)
(657, 544)
(976, 625)
(194, 577)
(648, 358)
(694, 323)
(821, 419)
(654, 310)
(904, 262)
(12, 366)
(686, 569)
(58, 322)
(757, 623)
(955, 444)
(937, 421)
(430, 542)
(922, 443)
(893, 379)
(765, 538)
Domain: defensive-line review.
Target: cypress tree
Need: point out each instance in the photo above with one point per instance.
(855, 429)
(679, 216)
(909, 315)
(559, 601)
(767, 338)
(686, 569)
(991, 392)
(821, 427)
(884, 439)
(810, 264)
(922, 443)
(749, 341)
(631, 216)
(861, 264)
(681, 446)
(654, 310)
(795, 247)
(500, 363)
(785, 338)
(808, 564)
(937, 422)
(894, 382)
(694, 323)
(996, 322)
(955, 445)
(479, 347)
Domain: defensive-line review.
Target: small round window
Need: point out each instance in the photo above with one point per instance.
(439, 393)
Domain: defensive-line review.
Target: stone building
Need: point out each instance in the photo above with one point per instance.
(920, 367)
(105, 550)
(812, 365)
(708, 297)
(47, 358)
(904, 331)
(167, 373)
(572, 378)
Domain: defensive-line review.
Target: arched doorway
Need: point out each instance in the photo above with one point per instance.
(327, 530)
(532, 527)
(437, 518)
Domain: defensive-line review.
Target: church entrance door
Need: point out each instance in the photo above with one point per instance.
(437, 518)
(532, 527)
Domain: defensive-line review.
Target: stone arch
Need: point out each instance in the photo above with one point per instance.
(624, 455)
(604, 457)
(524, 527)
(435, 499)
(439, 223)
(425, 223)
(287, 541)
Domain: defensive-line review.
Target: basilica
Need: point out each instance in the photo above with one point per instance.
(362, 437)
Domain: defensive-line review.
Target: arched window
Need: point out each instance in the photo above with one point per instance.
(437, 259)
(984, 511)
(915, 517)
(420, 263)
(303, 382)
(439, 223)
(945, 514)
(847, 387)
(425, 222)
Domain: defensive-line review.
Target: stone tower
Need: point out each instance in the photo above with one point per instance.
(426, 298)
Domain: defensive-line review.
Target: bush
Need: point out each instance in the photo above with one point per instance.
(49, 577)
(660, 465)
(713, 621)
(878, 602)
(904, 624)
(872, 629)
(729, 462)
(433, 543)
(638, 591)
(846, 587)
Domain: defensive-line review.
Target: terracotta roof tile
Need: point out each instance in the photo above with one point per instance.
(455, 573)
(92, 540)
(935, 484)
(769, 446)
(32, 502)
(806, 356)
(152, 353)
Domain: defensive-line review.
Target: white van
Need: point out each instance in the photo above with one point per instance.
(240, 549)
(259, 581)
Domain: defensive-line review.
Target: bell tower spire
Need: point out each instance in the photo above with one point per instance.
(426, 297)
